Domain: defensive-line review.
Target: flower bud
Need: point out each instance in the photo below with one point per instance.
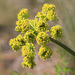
(42, 38)
(41, 16)
(16, 45)
(51, 15)
(41, 26)
(48, 7)
(23, 26)
(23, 14)
(28, 63)
(28, 50)
(45, 52)
(29, 36)
(20, 39)
(56, 31)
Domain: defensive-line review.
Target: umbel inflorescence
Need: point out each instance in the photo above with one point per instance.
(35, 29)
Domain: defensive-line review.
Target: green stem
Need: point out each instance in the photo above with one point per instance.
(63, 46)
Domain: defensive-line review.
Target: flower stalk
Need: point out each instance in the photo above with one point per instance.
(63, 46)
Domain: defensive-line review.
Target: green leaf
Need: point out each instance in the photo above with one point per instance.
(44, 73)
(15, 73)
(58, 74)
(21, 73)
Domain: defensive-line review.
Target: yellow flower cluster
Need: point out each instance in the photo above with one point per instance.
(29, 36)
(48, 13)
(17, 42)
(24, 13)
(56, 31)
(48, 7)
(28, 52)
(41, 26)
(49, 10)
(35, 29)
(45, 52)
(51, 15)
(28, 63)
(20, 39)
(23, 25)
(42, 38)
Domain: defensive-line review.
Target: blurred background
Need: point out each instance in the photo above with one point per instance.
(61, 62)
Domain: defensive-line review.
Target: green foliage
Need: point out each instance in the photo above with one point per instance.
(27, 73)
(63, 68)
(62, 53)
(35, 29)
(15, 73)
(46, 74)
